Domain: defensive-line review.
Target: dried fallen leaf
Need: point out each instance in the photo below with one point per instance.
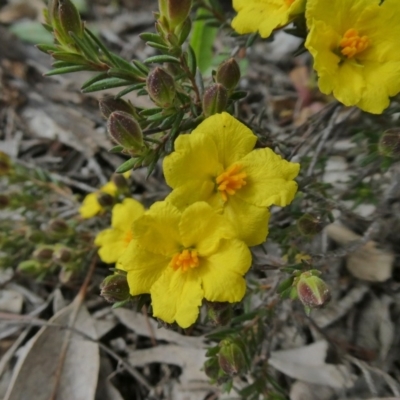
(11, 301)
(35, 375)
(367, 262)
(308, 364)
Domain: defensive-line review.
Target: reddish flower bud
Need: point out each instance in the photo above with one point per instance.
(125, 130)
(70, 19)
(231, 357)
(174, 12)
(312, 291)
(161, 87)
(109, 104)
(115, 288)
(215, 100)
(228, 74)
(389, 143)
(58, 226)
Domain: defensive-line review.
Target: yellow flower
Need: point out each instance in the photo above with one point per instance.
(113, 242)
(216, 163)
(265, 15)
(355, 48)
(91, 206)
(182, 257)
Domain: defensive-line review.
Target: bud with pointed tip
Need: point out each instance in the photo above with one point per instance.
(389, 143)
(105, 199)
(58, 225)
(174, 12)
(228, 74)
(115, 288)
(215, 100)
(70, 19)
(161, 87)
(231, 357)
(110, 104)
(125, 130)
(309, 225)
(120, 182)
(312, 291)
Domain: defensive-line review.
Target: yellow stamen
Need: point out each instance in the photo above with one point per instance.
(184, 260)
(128, 237)
(352, 44)
(230, 181)
(289, 2)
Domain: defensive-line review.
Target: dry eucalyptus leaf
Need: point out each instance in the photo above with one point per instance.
(11, 301)
(146, 326)
(306, 391)
(308, 364)
(367, 262)
(34, 376)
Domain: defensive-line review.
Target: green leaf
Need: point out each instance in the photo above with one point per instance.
(116, 149)
(96, 78)
(152, 37)
(141, 67)
(102, 47)
(104, 84)
(158, 46)
(32, 32)
(238, 95)
(169, 146)
(130, 88)
(86, 46)
(202, 40)
(126, 166)
(150, 111)
(162, 59)
(66, 70)
(123, 74)
(69, 57)
(192, 63)
(47, 48)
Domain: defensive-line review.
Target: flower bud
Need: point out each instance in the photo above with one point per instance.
(125, 130)
(5, 164)
(219, 313)
(211, 368)
(109, 104)
(228, 74)
(43, 254)
(62, 255)
(4, 201)
(30, 266)
(120, 181)
(58, 226)
(215, 100)
(174, 12)
(389, 143)
(309, 225)
(231, 357)
(70, 19)
(115, 288)
(161, 87)
(312, 291)
(105, 199)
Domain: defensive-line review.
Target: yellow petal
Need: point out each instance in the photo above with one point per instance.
(90, 206)
(250, 222)
(125, 213)
(222, 273)
(109, 188)
(157, 230)
(269, 179)
(112, 244)
(143, 267)
(194, 158)
(177, 297)
(232, 138)
(203, 229)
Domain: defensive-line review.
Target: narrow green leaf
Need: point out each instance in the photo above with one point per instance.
(141, 67)
(150, 111)
(69, 57)
(47, 48)
(116, 149)
(169, 146)
(202, 41)
(129, 66)
(152, 37)
(158, 46)
(162, 59)
(123, 74)
(129, 89)
(86, 47)
(126, 166)
(142, 92)
(96, 78)
(104, 84)
(102, 47)
(239, 94)
(192, 63)
(66, 70)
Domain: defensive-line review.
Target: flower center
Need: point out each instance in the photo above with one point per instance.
(289, 2)
(230, 181)
(128, 236)
(352, 44)
(184, 260)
